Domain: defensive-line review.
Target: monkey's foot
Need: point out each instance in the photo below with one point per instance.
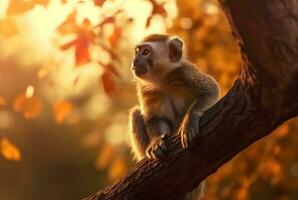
(190, 131)
(157, 149)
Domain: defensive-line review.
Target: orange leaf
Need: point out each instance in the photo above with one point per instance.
(99, 2)
(82, 54)
(62, 110)
(105, 157)
(68, 45)
(118, 168)
(114, 38)
(108, 83)
(85, 36)
(107, 20)
(82, 51)
(110, 67)
(21, 6)
(157, 9)
(2, 101)
(29, 107)
(9, 151)
(8, 28)
(69, 25)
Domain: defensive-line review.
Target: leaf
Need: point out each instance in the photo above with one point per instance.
(108, 83)
(110, 67)
(118, 168)
(76, 80)
(82, 51)
(105, 157)
(20, 6)
(99, 2)
(69, 25)
(148, 22)
(114, 38)
(68, 45)
(29, 107)
(8, 28)
(85, 36)
(2, 101)
(81, 45)
(62, 110)
(157, 9)
(9, 151)
(107, 20)
(107, 78)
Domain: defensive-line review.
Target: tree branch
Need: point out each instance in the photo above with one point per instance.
(264, 96)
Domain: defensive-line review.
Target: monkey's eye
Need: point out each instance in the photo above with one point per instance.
(146, 52)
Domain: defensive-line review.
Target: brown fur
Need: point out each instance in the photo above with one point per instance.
(175, 92)
(155, 38)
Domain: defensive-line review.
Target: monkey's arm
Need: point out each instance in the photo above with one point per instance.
(206, 90)
(138, 133)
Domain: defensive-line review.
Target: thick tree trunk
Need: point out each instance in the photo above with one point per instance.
(264, 96)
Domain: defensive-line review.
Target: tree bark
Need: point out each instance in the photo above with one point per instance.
(264, 96)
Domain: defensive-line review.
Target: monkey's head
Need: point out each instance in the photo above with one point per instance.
(156, 55)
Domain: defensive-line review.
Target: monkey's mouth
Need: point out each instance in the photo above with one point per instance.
(140, 70)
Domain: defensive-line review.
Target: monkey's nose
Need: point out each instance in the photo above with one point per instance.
(136, 62)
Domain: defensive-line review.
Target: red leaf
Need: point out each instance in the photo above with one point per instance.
(108, 84)
(114, 38)
(107, 20)
(157, 9)
(68, 45)
(99, 2)
(85, 36)
(82, 51)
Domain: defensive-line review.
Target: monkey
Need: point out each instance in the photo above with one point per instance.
(173, 94)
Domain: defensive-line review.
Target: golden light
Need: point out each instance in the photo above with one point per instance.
(210, 8)
(186, 23)
(29, 91)
(37, 45)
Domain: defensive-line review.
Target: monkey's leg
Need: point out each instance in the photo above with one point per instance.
(138, 133)
(161, 129)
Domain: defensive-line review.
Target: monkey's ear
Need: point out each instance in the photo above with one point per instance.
(175, 47)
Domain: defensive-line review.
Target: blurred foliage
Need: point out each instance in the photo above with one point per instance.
(65, 92)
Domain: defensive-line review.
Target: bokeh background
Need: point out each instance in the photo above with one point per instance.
(66, 90)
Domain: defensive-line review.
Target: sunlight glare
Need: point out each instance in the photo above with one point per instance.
(29, 91)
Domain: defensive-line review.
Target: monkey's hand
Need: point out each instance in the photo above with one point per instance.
(189, 130)
(157, 148)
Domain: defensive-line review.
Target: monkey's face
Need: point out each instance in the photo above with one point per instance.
(143, 60)
(153, 59)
